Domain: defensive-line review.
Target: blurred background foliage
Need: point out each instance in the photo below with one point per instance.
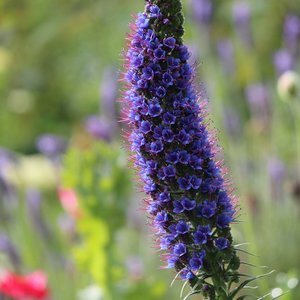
(69, 202)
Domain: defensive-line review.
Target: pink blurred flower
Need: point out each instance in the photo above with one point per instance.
(30, 287)
(69, 201)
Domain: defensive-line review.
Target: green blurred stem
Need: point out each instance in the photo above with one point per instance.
(294, 107)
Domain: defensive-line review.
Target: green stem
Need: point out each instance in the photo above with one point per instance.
(295, 113)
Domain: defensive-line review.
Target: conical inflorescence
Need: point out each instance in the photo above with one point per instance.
(189, 203)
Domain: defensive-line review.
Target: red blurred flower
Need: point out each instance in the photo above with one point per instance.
(69, 202)
(30, 287)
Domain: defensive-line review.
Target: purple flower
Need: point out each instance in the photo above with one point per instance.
(167, 79)
(195, 182)
(200, 238)
(183, 157)
(148, 73)
(208, 209)
(188, 200)
(259, 102)
(184, 183)
(164, 197)
(241, 15)
(222, 243)
(188, 204)
(145, 127)
(168, 135)
(179, 249)
(202, 11)
(51, 145)
(154, 11)
(172, 157)
(170, 42)
(186, 274)
(166, 242)
(155, 110)
(156, 147)
(182, 227)
(196, 262)
(283, 61)
(142, 21)
(184, 137)
(169, 171)
(223, 221)
(99, 128)
(169, 119)
(161, 217)
(138, 61)
(178, 207)
(161, 92)
(159, 53)
(172, 261)
(292, 32)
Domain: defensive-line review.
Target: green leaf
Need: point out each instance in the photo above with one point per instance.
(235, 291)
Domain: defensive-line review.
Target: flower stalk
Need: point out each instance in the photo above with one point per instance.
(190, 200)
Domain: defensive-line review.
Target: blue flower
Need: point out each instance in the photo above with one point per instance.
(182, 227)
(166, 242)
(142, 21)
(172, 157)
(153, 208)
(161, 92)
(179, 249)
(148, 73)
(223, 220)
(172, 261)
(169, 171)
(161, 217)
(156, 147)
(154, 11)
(167, 79)
(184, 157)
(186, 274)
(168, 135)
(184, 137)
(178, 207)
(155, 110)
(202, 235)
(196, 262)
(195, 182)
(170, 42)
(222, 243)
(188, 204)
(200, 238)
(208, 209)
(184, 183)
(158, 132)
(159, 53)
(138, 61)
(145, 127)
(164, 197)
(169, 118)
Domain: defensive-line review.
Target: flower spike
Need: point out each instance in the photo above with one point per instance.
(189, 202)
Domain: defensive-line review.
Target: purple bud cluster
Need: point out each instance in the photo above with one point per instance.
(189, 203)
